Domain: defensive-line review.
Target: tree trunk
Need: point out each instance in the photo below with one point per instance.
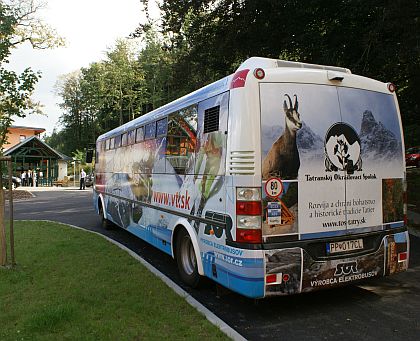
(3, 252)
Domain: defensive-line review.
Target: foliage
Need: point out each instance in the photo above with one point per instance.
(198, 42)
(18, 24)
(374, 39)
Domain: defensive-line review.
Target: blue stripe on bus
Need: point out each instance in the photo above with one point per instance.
(394, 225)
(150, 235)
(249, 283)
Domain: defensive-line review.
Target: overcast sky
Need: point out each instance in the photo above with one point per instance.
(90, 27)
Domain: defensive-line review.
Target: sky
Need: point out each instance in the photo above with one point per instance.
(90, 28)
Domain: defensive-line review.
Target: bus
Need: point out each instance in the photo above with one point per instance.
(282, 178)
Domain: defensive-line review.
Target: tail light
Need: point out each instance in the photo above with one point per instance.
(248, 215)
(402, 256)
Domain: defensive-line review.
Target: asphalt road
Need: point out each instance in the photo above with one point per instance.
(381, 309)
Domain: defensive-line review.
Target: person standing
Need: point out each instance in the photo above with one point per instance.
(23, 176)
(30, 178)
(82, 179)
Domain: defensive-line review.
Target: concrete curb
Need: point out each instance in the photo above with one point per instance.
(223, 326)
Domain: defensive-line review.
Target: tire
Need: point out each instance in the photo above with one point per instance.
(105, 223)
(186, 260)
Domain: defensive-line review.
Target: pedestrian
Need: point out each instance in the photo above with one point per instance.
(23, 178)
(82, 179)
(30, 178)
(35, 177)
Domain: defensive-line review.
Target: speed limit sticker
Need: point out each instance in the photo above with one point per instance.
(273, 187)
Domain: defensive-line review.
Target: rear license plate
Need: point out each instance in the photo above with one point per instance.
(345, 246)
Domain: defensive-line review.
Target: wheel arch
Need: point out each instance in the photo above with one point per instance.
(184, 224)
(101, 203)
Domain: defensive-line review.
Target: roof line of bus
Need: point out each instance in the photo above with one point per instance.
(194, 97)
(211, 90)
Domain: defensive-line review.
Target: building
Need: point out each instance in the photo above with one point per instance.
(17, 134)
(29, 152)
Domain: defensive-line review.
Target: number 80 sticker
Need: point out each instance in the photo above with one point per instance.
(273, 187)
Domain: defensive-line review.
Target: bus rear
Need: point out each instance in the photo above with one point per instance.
(316, 175)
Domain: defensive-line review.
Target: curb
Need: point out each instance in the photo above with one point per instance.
(223, 326)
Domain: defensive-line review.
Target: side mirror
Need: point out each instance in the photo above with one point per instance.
(89, 155)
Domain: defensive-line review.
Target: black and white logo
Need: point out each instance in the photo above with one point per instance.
(342, 148)
(344, 269)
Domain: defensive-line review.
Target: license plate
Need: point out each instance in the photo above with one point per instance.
(345, 246)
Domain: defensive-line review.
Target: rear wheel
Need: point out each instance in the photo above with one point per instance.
(186, 259)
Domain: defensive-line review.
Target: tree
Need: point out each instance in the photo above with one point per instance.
(100, 97)
(378, 39)
(18, 23)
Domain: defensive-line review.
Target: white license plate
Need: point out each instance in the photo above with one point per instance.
(345, 246)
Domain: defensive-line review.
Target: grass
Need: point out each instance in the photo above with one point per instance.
(74, 285)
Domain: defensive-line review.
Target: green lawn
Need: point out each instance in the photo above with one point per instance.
(70, 284)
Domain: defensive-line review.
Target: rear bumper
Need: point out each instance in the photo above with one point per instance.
(307, 270)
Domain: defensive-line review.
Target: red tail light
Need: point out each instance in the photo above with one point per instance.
(402, 256)
(251, 236)
(248, 207)
(271, 278)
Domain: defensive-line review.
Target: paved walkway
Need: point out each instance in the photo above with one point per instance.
(53, 188)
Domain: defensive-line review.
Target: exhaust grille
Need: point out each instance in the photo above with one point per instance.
(242, 163)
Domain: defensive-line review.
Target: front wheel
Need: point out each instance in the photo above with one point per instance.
(105, 223)
(186, 259)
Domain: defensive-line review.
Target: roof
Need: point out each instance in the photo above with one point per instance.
(59, 155)
(37, 130)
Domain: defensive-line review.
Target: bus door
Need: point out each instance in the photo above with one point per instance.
(373, 160)
(303, 192)
(209, 173)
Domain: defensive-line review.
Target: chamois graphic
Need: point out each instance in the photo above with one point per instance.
(282, 160)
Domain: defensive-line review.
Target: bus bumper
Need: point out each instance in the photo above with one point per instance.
(296, 270)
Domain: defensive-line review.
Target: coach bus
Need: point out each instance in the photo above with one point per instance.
(282, 178)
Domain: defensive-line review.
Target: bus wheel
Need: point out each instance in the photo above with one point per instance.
(105, 223)
(186, 260)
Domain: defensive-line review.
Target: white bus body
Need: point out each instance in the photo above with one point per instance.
(282, 178)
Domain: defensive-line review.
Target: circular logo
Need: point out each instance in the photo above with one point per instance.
(273, 187)
(342, 148)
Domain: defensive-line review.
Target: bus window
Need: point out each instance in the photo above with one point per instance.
(131, 137)
(150, 131)
(124, 139)
(112, 143)
(117, 141)
(161, 127)
(139, 134)
(181, 140)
